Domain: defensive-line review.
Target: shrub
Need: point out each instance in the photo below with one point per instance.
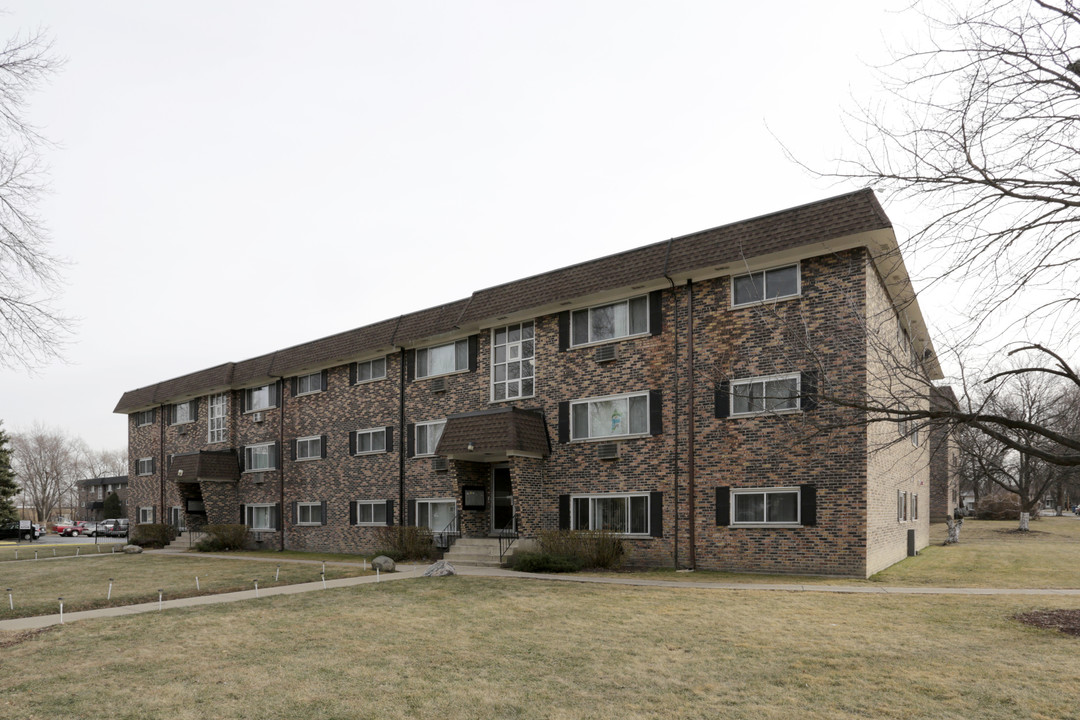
(586, 548)
(223, 537)
(153, 535)
(404, 543)
(998, 507)
(543, 562)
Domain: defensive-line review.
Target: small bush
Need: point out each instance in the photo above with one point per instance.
(586, 548)
(153, 535)
(220, 538)
(404, 543)
(543, 562)
(998, 507)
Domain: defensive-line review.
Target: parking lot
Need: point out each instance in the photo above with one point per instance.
(54, 539)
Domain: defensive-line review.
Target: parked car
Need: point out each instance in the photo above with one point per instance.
(74, 529)
(116, 527)
(39, 530)
(12, 531)
(94, 528)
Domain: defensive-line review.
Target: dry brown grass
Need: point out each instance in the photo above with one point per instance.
(482, 648)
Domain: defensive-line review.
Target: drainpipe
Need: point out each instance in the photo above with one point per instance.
(161, 470)
(690, 423)
(675, 415)
(281, 458)
(402, 440)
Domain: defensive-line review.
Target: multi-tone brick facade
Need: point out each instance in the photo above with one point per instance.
(647, 426)
(94, 491)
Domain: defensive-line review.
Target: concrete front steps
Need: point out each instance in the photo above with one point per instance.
(186, 540)
(482, 552)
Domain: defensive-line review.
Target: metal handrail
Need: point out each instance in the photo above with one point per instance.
(507, 536)
(445, 538)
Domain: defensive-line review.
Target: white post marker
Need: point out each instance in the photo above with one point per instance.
(160, 592)
(54, 552)
(109, 596)
(10, 602)
(77, 552)
(35, 554)
(197, 588)
(324, 567)
(277, 573)
(61, 610)
(323, 575)
(256, 581)
(377, 576)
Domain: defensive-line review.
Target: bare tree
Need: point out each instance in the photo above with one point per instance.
(45, 462)
(31, 329)
(99, 463)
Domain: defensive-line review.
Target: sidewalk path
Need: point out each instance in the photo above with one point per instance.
(406, 572)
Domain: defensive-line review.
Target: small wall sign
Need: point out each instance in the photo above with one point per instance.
(473, 497)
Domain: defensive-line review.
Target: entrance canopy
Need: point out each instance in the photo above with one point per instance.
(494, 435)
(212, 465)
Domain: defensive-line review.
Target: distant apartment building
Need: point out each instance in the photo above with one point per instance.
(92, 493)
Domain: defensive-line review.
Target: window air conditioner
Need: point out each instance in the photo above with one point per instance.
(438, 385)
(440, 464)
(257, 417)
(608, 451)
(606, 353)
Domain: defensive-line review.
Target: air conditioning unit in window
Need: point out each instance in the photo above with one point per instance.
(438, 385)
(257, 417)
(608, 451)
(606, 353)
(440, 464)
(257, 479)
(182, 430)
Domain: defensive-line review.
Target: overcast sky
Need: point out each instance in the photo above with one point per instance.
(235, 177)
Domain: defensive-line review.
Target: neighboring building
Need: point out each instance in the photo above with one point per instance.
(92, 494)
(675, 393)
(944, 460)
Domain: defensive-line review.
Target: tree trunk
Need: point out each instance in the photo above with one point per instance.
(1024, 518)
(954, 526)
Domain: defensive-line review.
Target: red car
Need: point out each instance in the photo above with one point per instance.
(73, 529)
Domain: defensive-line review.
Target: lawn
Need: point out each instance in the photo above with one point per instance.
(83, 582)
(470, 647)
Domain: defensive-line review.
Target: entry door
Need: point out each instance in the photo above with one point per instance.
(176, 518)
(502, 500)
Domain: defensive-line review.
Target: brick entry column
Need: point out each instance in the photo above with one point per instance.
(527, 480)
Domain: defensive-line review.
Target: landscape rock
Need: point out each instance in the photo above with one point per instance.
(132, 549)
(440, 569)
(384, 564)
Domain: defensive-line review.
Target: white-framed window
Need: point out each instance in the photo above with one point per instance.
(771, 284)
(146, 515)
(371, 513)
(261, 516)
(307, 384)
(217, 417)
(512, 361)
(261, 398)
(442, 359)
(371, 370)
(772, 506)
(776, 393)
(309, 513)
(437, 514)
(612, 416)
(309, 448)
(144, 417)
(183, 413)
(370, 441)
(427, 437)
(613, 321)
(915, 506)
(260, 457)
(901, 506)
(144, 466)
(627, 514)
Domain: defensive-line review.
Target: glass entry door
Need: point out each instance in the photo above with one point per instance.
(177, 518)
(502, 501)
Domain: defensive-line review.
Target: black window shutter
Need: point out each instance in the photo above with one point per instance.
(240, 457)
(194, 408)
(324, 378)
(276, 392)
(292, 387)
(656, 412)
(277, 456)
(412, 513)
(808, 390)
(723, 506)
(389, 442)
(323, 513)
(808, 501)
(410, 440)
(153, 415)
(170, 413)
(564, 422)
(722, 400)
(295, 513)
(276, 519)
(352, 444)
(474, 351)
(322, 444)
(564, 512)
(292, 446)
(153, 514)
(153, 464)
(243, 514)
(410, 365)
(564, 330)
(352, 373)
(243, 401)
(656, 514)
(352, 512)
(389, 512)
(656, 313)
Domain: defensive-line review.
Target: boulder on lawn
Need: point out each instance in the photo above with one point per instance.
(440, 569)
(383, 564)
(132, 549)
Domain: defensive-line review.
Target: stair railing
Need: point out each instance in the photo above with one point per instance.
(446, 537)
(507, 536)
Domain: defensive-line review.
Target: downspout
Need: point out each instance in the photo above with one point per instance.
(675, 403)
(402, 440)
(281, 458)
(161, 470)
(690, 424)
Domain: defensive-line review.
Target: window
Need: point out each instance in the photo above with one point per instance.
(308, 513)
(216, 417)
(427, 437)
(616, 416)
(261, 517)
(438, 515)
(183, 413)
(146, 515)
(306, 384)
(369, 370)
(915, 506)
(442, 359)
(610, 322)
(309, 448)
(261, 398)
(260, 457)
(369, 441)
(765, 285)
(761, 395)
(901, 506)
(512, 370)
(144, 466)
(625, 514)
(371, 513)
(144, 417)
(765, 507)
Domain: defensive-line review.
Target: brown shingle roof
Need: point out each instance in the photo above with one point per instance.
(205, 465)
(495, 432)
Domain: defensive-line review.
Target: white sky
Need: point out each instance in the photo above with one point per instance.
(237, 177)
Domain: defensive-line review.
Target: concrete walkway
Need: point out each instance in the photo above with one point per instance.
(406, 572)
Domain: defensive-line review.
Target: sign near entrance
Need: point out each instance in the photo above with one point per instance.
(473, 497)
